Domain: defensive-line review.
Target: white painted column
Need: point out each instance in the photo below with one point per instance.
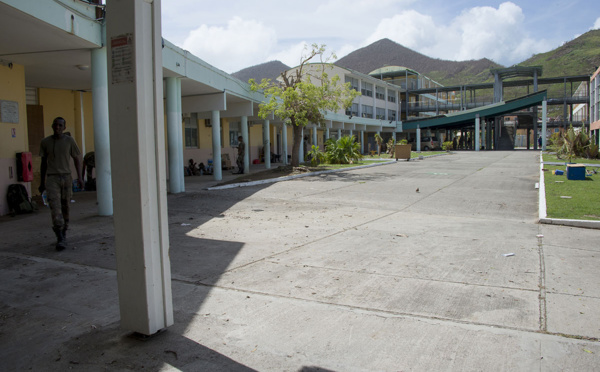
(173, 137)
(327, 133)
(350, 133)
(544, 123)
(216, 144)
(339, 133)
(418, 139)
(477, 145)
(82, 123)
(180, 143)
(314, 136)
(285, 143)
(101, 132)
(244, 124)
(267, 143)
(138, 164)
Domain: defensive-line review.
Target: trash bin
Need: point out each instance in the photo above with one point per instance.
(576, 172)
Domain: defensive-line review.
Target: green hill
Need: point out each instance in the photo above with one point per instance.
(580, 56)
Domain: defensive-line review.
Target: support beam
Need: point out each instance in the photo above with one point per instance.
(101, 132)
(244, 129)
(138, 164)
(476, 145)
(216, 145)
(418, 139)
(544, 123)
(285, 143)
(267, 143)
(175, 144)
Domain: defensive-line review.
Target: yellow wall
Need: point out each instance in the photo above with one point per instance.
(59, 103)
(12, 88)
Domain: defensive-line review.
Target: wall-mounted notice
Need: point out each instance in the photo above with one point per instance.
(9, 112)
(123, 66)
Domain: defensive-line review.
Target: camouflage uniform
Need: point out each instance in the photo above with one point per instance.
(59, 189)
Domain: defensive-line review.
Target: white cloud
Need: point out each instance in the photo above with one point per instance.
(596, 25)
(479, 32)
(240, 44)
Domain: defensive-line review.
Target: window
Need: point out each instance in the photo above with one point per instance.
(380, 113)
(353, 82)
(191, 133)
(392, 114)
(234, 133)
(380, 93)
(391, 96)
(367, 111)
(367, 89)
(353, 110)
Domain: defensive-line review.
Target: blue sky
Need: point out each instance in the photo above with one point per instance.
(234, 34)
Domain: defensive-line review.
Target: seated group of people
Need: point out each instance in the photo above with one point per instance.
(194, 169)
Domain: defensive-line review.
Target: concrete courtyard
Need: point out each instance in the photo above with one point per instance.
(348, 271)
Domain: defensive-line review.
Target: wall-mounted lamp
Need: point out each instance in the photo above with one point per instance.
(350, 117)
(83, 67)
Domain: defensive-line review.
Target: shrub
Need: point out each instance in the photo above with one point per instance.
(447, 146)
(343, 151)
(316, 156)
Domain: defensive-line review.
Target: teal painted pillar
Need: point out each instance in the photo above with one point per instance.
(244, 124)
(350, 133)
(101, 132)
(418, 139)
(216, 145)
(326, 133)
(174, 140)
(339, 133)
(477, 146)
(285, 143)
(267, 143)
(314, 136)
(180, 143)
(362, 141)
(544, 123)
(301, 150)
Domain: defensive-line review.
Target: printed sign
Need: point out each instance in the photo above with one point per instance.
(123, 66)
(9, 112)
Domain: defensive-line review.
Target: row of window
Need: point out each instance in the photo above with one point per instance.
(367, 90)
(367, 112)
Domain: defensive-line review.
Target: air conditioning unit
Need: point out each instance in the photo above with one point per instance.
(207, 123)
(186, 115)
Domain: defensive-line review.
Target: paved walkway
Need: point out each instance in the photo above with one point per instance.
(349, 271)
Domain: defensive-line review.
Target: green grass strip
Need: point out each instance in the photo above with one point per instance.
(570, 199)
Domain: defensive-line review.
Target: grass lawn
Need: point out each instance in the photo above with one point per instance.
(583, 202)
(553, 158)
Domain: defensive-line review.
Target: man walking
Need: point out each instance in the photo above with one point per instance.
(56, 151)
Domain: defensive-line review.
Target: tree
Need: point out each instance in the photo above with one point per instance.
(298, 101)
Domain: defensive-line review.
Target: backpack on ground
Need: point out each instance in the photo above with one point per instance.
(18, 200)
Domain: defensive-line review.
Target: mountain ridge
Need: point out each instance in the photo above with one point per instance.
(580, 56)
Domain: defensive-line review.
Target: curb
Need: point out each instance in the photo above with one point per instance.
(557, 221)
(287, 178)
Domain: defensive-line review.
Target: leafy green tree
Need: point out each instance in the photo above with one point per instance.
(304, 94)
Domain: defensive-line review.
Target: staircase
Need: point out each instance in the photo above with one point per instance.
(507, 138)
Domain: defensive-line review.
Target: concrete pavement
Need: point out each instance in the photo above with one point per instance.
(348, 271)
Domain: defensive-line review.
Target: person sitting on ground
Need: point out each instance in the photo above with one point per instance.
(89, 163)
(192, 168)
